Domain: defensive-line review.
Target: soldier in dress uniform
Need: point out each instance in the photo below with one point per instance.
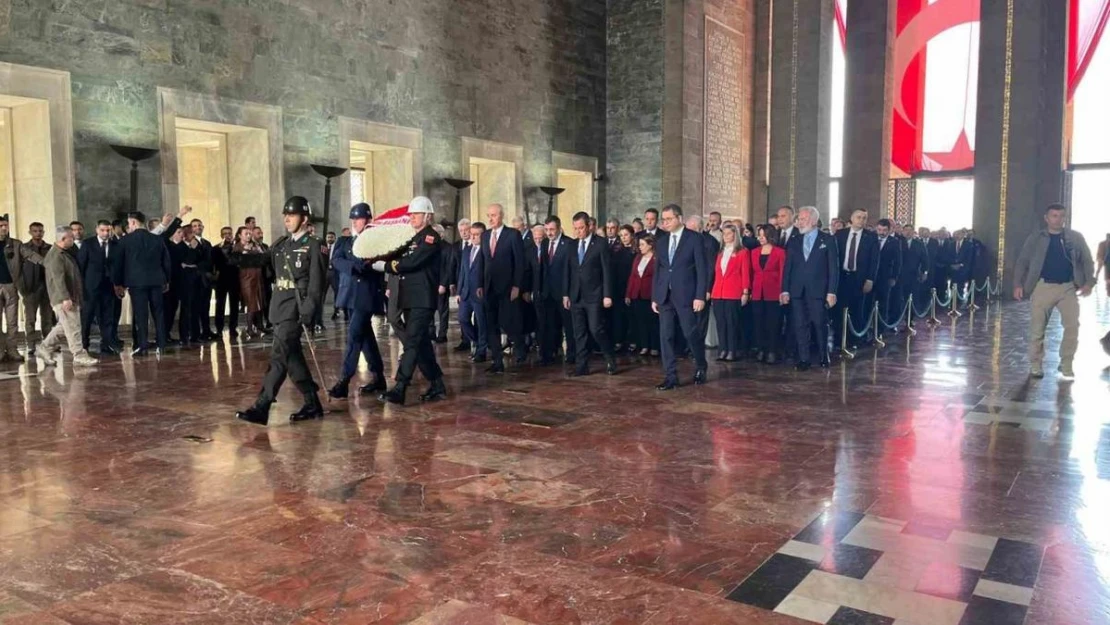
(299, 267)
(361, 299)
(417, 271)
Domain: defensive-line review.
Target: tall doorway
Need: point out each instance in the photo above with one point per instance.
(494, 183)
(26, 171)
(381, 175)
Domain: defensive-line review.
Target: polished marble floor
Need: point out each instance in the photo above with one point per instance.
(929, 483)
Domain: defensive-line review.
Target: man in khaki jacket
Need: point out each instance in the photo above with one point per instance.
(1054, 266)
(63, 282)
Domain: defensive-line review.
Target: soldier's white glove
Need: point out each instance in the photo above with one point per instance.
(378, 266)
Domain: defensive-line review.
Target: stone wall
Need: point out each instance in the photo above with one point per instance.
(523, 72)
(635, 107)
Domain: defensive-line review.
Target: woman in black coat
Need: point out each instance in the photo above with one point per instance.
(620, 262)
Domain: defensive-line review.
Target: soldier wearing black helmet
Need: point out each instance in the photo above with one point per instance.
(299, 267)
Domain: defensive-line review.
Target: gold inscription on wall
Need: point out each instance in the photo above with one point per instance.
(725, 155)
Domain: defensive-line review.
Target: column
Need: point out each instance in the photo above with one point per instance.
(1020, 122)
(867, 108)
(801, 97)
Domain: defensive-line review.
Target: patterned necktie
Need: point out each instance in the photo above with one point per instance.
(551, 245)
(674, 246)
(493, 244)
(581, 250)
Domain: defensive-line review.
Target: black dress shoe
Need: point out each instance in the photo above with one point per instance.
(310, 410)
(722, 356)
(259, 415)
(824, 364)
(699, 377)
(478, 359)
(436, 391)
(440, 339)
(138, 351)
(547, 362)
(770, 358)
(667, 385)
(759, 356)
(580, 372)
(334, 315)
(376, 386)
(395, 395)
(108, 350)
(462, 347)
(802, 366)
(520, 360)
(569, 360)
(340, 390)
(496, 368)
(611, 368)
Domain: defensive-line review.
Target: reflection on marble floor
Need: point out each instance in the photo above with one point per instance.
(931, 483)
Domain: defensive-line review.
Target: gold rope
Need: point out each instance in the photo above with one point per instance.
(1005, 160)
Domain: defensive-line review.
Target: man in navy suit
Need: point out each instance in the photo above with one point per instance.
(557, 250)
(588, 286)
(963, 260)
(469, 291)
(890, 271)
(859, 267)
(363, 298)
(678, 294)
(143, 268)
(503, 253)
(94, 261)
(809, 284)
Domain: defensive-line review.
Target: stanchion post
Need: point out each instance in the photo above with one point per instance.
(844, 328)
(954, 300)
(878, 336)
(971, 298)
(910, 314)
(932, 320)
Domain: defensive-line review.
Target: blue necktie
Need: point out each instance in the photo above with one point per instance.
(581, 250)
(674, 246)
(807, 245)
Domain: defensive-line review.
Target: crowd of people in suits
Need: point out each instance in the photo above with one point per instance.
(565, 291)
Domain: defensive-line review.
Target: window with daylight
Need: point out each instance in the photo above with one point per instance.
(1089, 85)
(836, 121)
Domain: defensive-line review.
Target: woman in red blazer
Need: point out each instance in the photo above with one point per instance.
(645, 323)
(768, 261)
(732, 287)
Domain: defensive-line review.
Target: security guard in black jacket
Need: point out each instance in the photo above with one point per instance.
(417, 270)
(299, 267)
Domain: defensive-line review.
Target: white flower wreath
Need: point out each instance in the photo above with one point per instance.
(383, 241)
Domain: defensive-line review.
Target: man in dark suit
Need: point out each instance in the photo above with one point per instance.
(651, 221)
(784, 220)
(932, 249)
(532, 287)
(94, 261)
(588, 286)
(678, 292)
(859, 266)
(890, 270)
(809, 285)
(963, 261)
(144, 270)
(942, 262)
(503, 252)
(203, 302)
(470, 292)
(696, 223)
(915, 269)
(364, 298)
(227, 283)
(557, 250)
(448, 281)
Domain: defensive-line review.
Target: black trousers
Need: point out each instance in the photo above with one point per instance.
(588, 321)
(393, 316)
(620, 322)
(170, 303)
(672, 320)
(286, 359)
(729, 335)
(419, 352)
(147, 301)
(190, 294)
(203, 303)
(503, 314)
(98, 305)
(227, 294)
(768, 322)
(556, 325)
(645, 325)
(811, 323)
(443, 312)
(850, 295)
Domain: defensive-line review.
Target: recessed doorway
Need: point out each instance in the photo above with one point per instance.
(381, 175)
(223, 172)
(494, 183)
(578, 196)
(26, 171)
